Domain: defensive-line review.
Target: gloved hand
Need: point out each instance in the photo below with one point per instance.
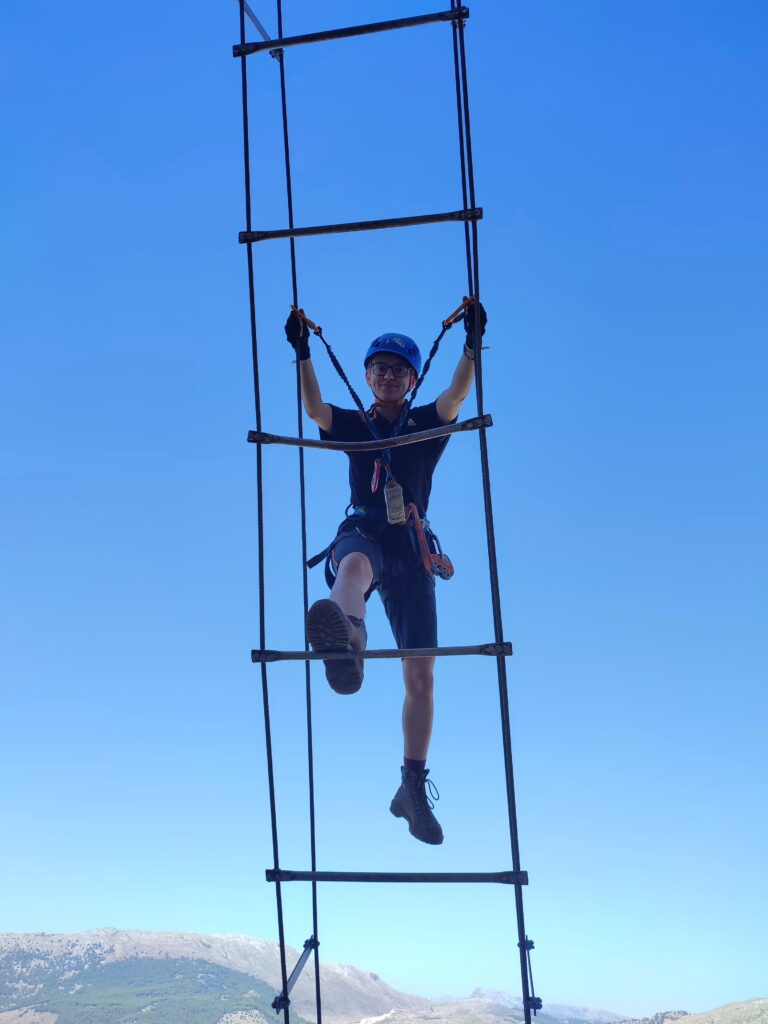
(475, 312)
(297, 333)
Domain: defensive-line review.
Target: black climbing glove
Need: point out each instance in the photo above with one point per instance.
(475, 312)
(297, 333)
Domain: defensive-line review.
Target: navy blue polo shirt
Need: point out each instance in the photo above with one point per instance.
(412, 464)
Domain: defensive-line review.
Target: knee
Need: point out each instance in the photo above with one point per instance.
(356, 566)
(419, 680)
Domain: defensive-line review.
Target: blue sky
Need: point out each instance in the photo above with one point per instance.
(621, 162)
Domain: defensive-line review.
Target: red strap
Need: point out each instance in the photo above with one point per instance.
(412, 511)
(376, 476)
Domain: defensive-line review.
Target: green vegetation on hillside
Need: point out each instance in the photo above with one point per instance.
(137, 991)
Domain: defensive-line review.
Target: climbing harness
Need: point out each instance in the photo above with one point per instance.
(468, 216)
(425, 543)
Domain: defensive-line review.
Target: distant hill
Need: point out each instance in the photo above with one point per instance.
(664, 1017)
(108, 976)
(751, 1011)
(461, 1011)
(558, 1011)
(502, 1010)
(105, 976)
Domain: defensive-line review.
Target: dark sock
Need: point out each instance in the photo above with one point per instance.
(414, 766)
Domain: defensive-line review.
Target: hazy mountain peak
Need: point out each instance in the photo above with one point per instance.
(561, 1011)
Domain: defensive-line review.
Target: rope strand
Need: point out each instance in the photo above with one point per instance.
(472, 254)
(303, 501)
(260, 515)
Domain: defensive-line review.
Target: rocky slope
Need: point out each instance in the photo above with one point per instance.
(751, 1011)
(502, 1011)
(27, 1017)
(32, 966)
(108, 976)
(663, 1017)
(558, 1011)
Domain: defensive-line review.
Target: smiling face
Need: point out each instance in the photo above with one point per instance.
(385, 377)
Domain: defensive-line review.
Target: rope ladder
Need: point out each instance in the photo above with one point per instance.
(469, 216)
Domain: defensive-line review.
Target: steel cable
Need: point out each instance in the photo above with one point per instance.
(260, 511)
(303, 505)
(473, 273)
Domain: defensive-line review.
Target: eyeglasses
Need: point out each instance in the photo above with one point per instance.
(398, 370)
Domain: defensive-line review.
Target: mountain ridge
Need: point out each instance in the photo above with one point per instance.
(350, 992)
(115, 976)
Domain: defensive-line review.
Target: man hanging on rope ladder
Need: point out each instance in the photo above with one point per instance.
(385, 543)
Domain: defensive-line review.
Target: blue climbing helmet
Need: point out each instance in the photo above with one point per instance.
(399, 345)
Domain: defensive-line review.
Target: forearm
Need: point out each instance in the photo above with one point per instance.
(311, 397)
(449, 402)
(463, 378)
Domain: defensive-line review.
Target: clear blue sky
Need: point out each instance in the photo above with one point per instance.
(621, 162)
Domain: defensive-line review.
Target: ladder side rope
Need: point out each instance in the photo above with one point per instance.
(472, 254)
(462, 154)
(485, 466)
(280, 55)
(260, 510)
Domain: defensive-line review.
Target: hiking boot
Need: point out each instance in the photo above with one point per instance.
(329, 629)
(413, 801)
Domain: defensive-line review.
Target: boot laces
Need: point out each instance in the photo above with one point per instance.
(426, 789)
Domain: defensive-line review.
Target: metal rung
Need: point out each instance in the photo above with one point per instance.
(500, 877)
(363, 225)
(244, 49)
(375, 444)
(494, 650)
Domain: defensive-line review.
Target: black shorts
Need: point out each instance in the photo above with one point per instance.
(406, 589)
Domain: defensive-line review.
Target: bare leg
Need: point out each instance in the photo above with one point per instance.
(418, 706)
(331, 625)
(414, 799)
(353, 578)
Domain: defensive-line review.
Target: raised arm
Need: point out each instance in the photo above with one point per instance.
(314, 406)
(297, 333)
(449, 402)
